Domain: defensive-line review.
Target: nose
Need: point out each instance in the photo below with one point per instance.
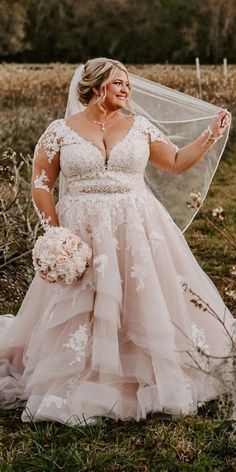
(124, 88)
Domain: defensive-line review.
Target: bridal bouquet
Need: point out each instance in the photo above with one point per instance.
(60, 256)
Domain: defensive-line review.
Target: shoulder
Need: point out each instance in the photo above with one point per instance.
(74, 119)
(150, 130)
(54, 132)
(146, 126)
(55, 126)
(143, 123)
(50, 140)
(140, 119)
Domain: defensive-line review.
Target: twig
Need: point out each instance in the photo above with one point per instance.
(14, 259)
(213, 225)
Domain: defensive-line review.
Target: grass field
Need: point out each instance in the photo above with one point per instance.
(30, 98)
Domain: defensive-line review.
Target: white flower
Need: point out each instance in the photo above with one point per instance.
(230, 293)
(233, 270)
(217, 213)
(196, 200)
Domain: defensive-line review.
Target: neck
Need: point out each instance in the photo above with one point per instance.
(93, 112)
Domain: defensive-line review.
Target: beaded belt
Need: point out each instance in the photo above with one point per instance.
(100, 186)
(105, 189)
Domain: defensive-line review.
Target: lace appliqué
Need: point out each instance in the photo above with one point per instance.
(102, 263)
(201, 348)
(45, 222)
(50, 140)
(136, 243)
(52, 399)
(116, 244)
(182, 281)
(39, 181)
(155, 135)
(139, 272)
(78, 342)
(107, 214)
(151, 132)
(155, 239)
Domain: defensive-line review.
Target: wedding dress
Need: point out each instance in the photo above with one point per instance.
(126, 339)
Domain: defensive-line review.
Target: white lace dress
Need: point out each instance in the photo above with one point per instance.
(122, 342)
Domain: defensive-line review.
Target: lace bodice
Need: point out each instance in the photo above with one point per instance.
(84, 167)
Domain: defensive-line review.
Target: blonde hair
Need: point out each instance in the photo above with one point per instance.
(98, 73)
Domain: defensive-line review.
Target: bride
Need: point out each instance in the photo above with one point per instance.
(126, 339)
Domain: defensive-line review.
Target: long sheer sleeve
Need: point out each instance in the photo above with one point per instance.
(46, 168)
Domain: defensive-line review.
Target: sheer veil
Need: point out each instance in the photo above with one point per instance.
(182, 118)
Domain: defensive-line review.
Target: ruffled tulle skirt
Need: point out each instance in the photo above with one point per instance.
(127, 339)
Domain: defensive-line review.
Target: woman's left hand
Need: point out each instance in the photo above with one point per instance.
(220, 122)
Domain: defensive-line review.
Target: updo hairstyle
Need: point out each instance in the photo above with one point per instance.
(98, 73)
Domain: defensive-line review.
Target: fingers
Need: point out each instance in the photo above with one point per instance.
(224, 117)
(222, 113)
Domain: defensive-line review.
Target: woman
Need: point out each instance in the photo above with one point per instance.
(123, 341)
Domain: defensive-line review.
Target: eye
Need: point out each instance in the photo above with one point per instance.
(118, 82)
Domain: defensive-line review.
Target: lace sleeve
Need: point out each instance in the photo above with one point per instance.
(50, 141)
(46, 166)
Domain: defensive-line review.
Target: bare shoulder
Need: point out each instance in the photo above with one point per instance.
(128, 118)
(76, 118)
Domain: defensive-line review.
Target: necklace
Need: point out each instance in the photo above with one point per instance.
(102, 125)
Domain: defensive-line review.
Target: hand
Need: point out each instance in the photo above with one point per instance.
(220, 122)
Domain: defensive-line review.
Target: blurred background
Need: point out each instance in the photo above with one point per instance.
(133, 31)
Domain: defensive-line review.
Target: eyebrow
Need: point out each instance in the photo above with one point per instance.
(120, 80)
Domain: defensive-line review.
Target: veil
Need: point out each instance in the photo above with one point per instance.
(182, 118)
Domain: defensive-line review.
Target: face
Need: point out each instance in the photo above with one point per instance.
(117, 91)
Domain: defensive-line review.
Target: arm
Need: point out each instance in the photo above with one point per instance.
(46, 169)
(166, 156)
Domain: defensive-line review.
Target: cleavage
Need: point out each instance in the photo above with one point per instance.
(104, 151)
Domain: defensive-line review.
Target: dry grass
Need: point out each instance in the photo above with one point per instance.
(183, 78)
(48, 84)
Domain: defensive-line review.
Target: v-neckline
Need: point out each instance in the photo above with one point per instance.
(107, 158)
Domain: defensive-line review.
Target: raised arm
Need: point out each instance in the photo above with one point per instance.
(46, 168)
(164, 154)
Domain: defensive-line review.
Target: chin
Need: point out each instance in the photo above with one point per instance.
(115, 106)
(121, 104)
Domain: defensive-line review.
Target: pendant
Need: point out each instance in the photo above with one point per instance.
(102, 127)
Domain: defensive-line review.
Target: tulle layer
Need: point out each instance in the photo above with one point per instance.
(124, 341)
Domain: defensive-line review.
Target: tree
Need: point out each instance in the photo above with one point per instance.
(13, 19)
